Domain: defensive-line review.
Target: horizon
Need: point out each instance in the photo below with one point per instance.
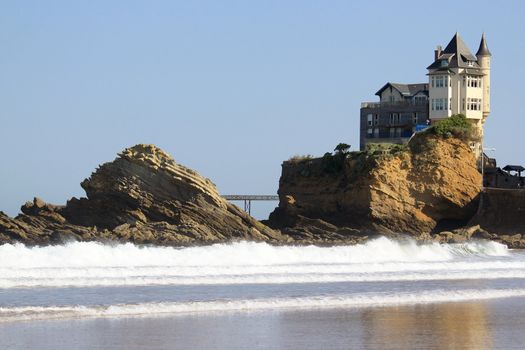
(228, 90)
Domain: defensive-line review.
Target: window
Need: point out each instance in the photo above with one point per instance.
(463, 105)
(444, 63)
(420, 100)
(394, 118)
(474, 104)
(473, 81)
(369, 132)
(440, 104)
(439, 81)
(450, 103)
(376, 119)
(414, 118)
(432, 81)
(369, 119)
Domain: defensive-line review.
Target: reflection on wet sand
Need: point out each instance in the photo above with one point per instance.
(472, 325)
(440, 326)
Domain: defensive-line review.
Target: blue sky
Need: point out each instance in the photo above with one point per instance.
(229, 88)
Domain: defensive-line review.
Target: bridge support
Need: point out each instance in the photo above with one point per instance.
(247, 199)
(248, 206)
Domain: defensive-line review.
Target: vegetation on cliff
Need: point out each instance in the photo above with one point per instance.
(457, 126)
(432, 183)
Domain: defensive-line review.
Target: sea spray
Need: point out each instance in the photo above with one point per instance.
(82, 264)
(93, 254)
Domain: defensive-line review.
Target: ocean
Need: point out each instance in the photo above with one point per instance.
(383, 294)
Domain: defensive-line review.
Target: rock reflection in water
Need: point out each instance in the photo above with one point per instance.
(472, 325)
(440, 326)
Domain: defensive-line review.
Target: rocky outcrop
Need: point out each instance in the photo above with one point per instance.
(431, 186)
(429, 190)
(143, 196)
(502, 213)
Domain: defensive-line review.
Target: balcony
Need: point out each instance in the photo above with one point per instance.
(405, 103)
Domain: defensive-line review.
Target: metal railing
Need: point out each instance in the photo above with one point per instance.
(405, 103)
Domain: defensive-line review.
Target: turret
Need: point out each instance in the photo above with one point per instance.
(484, 56)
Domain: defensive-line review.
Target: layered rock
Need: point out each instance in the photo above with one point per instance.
(431, 186)
(143, 196)
(429, 191)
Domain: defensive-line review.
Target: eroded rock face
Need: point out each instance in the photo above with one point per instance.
(502, 213)
(433, 185)
(143, 196)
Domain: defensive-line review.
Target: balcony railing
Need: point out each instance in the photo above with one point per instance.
(405, 103)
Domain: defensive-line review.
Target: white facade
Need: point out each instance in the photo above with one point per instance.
(456, 93)
(459, 83)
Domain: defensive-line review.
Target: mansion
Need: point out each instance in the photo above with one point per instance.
(458, 82)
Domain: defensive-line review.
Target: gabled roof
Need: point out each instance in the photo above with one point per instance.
(406, 90)
(483, 48)
(457, 54)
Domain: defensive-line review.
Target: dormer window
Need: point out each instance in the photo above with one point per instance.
(444, 63)
(470, 63)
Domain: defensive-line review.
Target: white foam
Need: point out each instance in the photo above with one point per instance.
(94, 264)
(251, 305)
(263, 278)
(91, 254)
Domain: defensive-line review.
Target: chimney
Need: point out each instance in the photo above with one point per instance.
(437, 52)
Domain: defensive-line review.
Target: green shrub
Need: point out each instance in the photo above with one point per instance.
(342, 148)
(333, 163)
(300, 158)
(456, 125)
(378, 149)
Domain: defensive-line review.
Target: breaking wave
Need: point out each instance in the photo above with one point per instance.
(251, 305)
(86, 264)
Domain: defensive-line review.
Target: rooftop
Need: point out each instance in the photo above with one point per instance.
(458, 55)
(406, 90)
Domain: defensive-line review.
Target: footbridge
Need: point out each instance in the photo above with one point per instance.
(248, 198)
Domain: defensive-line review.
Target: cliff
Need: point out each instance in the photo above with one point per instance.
(430, 186)
(502, 213)
(429, 190)
(143, 196)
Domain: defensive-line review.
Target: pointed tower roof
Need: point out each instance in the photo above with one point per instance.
(483, 48)
(458, 47)
(457, 54)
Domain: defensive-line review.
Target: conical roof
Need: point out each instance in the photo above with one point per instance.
(483, 48)
(458, 47)
(457, 54)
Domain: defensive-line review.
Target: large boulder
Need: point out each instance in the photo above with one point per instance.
(143, 196)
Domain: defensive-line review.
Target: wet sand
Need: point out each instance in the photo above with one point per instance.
(493, 324)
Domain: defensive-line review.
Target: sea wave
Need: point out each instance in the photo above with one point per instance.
(85, 264)
(93, 254)
(30, 313)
